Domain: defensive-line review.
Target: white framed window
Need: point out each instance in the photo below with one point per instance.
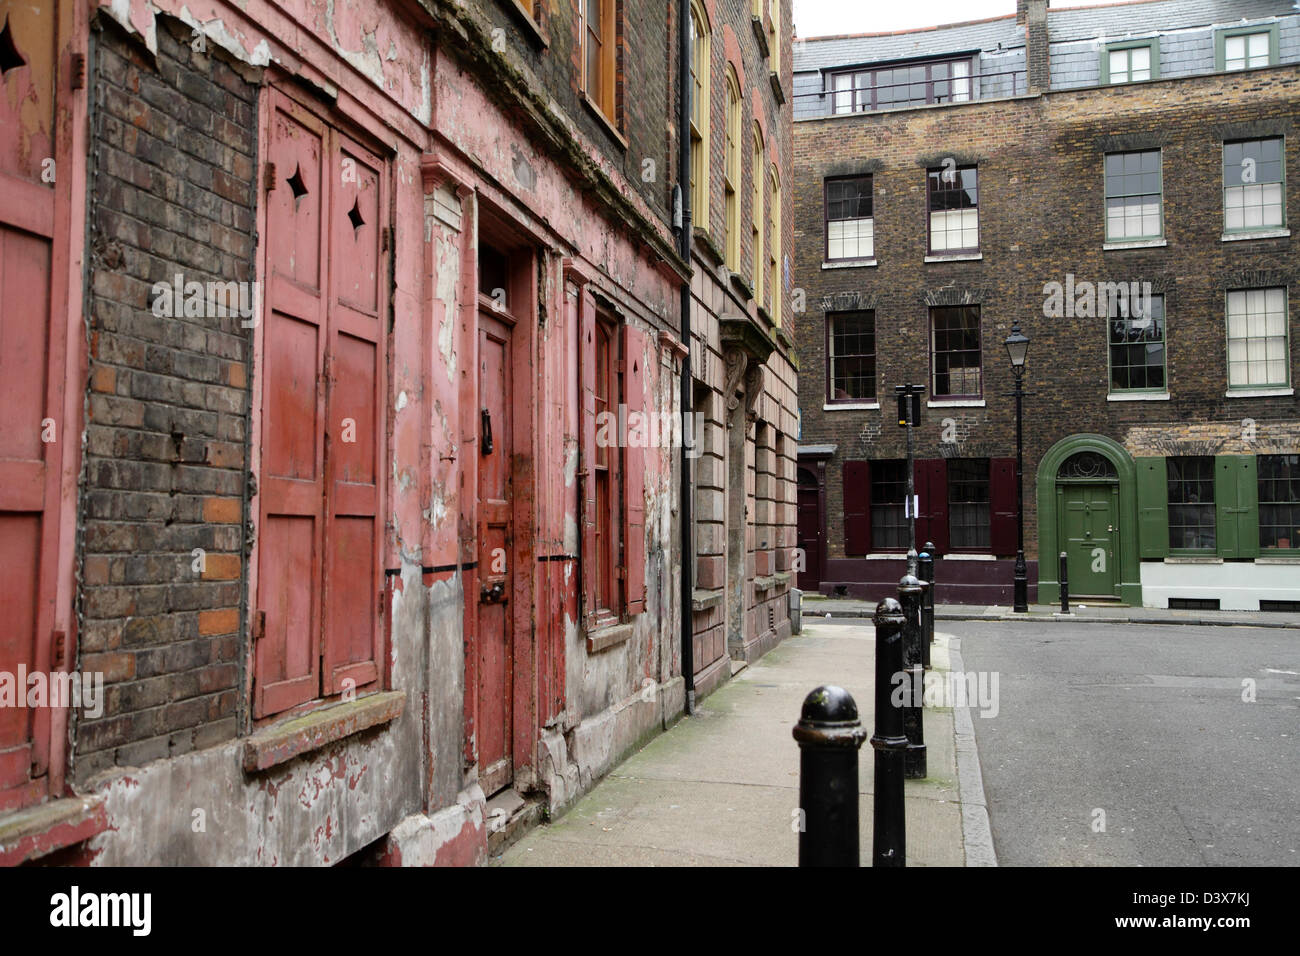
(1258, 353)
(1254, 195)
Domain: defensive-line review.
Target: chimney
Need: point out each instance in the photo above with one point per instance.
(1032, 15)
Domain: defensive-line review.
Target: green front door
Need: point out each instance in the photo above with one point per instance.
(1089, 534)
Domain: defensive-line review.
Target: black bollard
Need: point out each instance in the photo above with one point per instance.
(925, 569)
(829, 735)
(1065, 586)
(909, 596)
(889, 824)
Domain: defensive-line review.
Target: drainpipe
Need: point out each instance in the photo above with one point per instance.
(687, 385)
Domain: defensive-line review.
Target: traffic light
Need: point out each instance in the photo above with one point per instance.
(904, 392)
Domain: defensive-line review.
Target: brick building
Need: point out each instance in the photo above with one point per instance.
(351, 470)
(1112, 179)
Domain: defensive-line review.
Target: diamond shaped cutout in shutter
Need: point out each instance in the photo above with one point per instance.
(10, 58)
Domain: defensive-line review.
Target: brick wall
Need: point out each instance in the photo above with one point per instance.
(1042, 206)
(172, 160)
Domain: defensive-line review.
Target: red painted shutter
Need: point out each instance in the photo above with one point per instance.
(291, 488)
(1003, 528)
(587, 369)
(354, 421)
(857, 507)
(634, 470)
(932, 489)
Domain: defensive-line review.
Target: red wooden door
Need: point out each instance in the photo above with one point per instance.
(318, 626)
(494, 632)
(292, 486)
(32, 355)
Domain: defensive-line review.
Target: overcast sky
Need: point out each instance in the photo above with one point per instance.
(816, 18)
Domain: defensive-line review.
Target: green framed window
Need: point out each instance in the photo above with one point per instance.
(1130, 62)
(1191, 503)
(1258, 353)
(1279, 501)
(1137, 350)
(1246, 48)
(1254, 185)
(1134, 196)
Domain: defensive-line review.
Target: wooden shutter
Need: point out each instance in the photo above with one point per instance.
(1153, 507)
(1004, 527)
(354, 420)
(857, 507)
(1236, 506)
(292, 485)
(587, 370)
(634, 471)
(932, 517)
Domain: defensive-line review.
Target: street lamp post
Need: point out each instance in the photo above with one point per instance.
(1017, 349)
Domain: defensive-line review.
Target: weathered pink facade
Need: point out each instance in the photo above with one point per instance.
(498, 220)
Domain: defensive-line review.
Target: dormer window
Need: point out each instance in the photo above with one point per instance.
(917, 84)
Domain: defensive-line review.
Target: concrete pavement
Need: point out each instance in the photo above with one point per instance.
(721, 788)
(816, 606)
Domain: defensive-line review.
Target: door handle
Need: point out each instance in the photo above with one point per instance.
(494, 593)
(486, 417)
(1110, 528)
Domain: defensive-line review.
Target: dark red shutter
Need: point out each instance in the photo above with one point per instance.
(932, 489)
(587, 365)
(634, 470)
(857, 507)
(1002, 506)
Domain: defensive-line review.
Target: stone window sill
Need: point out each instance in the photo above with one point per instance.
(1278, 556)
(1138, 397)
(37, 831)
(1261, 234)
(955, 403)
(606, 637)
(851, 407)
(1192, 559)
(956, 257)
(603, 119)
(280, 743)
(850, 263)
(1279, 391)
(1136, 244)
(704, 598)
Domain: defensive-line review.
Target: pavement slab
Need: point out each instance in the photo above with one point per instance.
(721, 788)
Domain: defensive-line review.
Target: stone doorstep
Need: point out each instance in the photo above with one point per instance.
(35, 831)
(509, 816)
(281, 742)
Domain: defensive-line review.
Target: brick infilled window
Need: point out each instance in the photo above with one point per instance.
(1137, 344)
(850, 228)
(947, 81)
(954, 209)
(888, 491)
(1279, 501)
(1257, 338)
(1134, 191)
(851, 351)
(1253, 191)
(956, 344)
(1191, 503)
(968, 504)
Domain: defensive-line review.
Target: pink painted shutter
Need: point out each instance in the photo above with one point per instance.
(1002, 506)
(354, 420)
(932, 488)
(634, 471)
(291, 487)
(587, 370)
(857, 507)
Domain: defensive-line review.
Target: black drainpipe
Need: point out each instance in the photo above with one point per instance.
(684, 244)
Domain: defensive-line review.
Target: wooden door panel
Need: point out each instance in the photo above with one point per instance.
(32, 363)
(494, 631)
(287, 653)
(294, 204)
(357, 248)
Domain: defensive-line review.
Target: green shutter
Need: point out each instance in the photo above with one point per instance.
(1236, 506)
(1153, 507)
